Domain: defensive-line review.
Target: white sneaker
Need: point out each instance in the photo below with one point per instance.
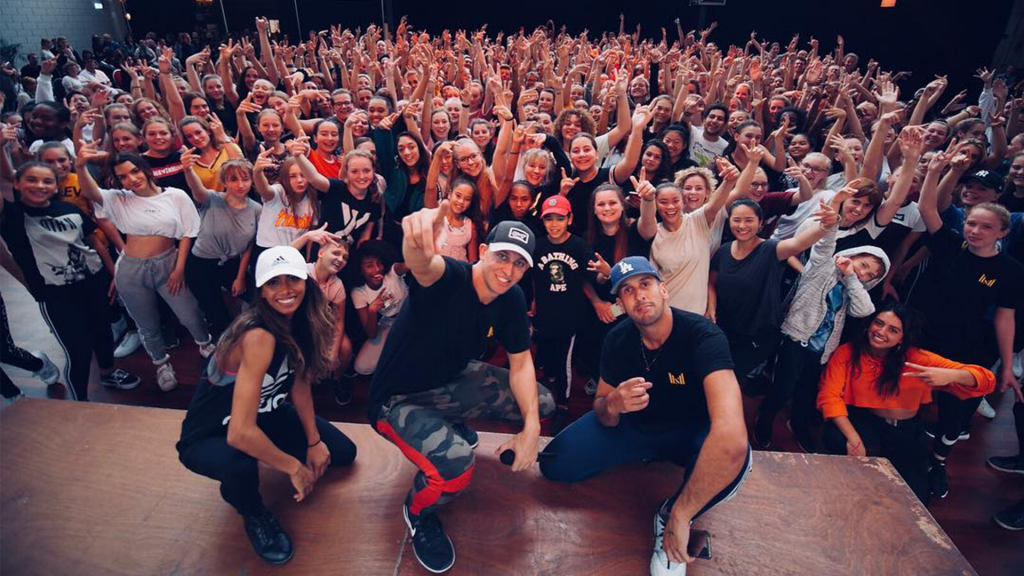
(660, 565)
(117, 329)
(49, 373)
(165, 377)
(986, 409)
(207, 350)
(128, 345)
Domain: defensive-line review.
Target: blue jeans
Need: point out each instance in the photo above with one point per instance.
(587, 448)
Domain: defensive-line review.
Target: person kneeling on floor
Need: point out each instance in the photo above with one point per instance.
(667, 391)
(255, 403)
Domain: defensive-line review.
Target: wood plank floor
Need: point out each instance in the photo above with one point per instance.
(976, 491)
(128, 507)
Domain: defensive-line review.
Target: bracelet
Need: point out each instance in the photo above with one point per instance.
(315, 443)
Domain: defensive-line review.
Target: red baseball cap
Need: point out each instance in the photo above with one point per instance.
(557, 204)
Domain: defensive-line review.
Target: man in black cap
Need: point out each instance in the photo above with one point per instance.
(429, 377)
(667, 391)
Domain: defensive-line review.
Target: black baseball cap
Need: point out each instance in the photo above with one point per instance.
(986, 178)
(515, 236)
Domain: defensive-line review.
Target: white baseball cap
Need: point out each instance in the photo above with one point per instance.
(277, 261)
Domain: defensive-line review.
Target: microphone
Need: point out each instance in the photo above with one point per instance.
(508, 457)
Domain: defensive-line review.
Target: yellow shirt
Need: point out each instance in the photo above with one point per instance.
(210, 175)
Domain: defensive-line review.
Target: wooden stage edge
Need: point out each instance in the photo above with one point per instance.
(98, 489)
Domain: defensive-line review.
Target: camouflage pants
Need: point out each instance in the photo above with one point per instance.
(420, 425)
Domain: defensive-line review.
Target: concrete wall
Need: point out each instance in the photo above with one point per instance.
(26, 21)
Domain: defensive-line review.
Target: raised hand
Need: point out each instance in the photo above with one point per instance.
(930, 375)
(388, 121)
(567, 183)
(189, 158)
(298, 146)
(911, 141)
(422, 228)
(264, 161)
(89, 152)
(599, 266)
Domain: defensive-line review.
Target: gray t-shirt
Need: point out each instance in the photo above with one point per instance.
(225, 232)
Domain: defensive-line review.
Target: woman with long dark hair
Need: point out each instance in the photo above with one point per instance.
(875, 384)
(255, 404)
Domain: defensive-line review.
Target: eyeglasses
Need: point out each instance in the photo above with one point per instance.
(468, 158)
(343, 104)
(759, 184)
(815, 169)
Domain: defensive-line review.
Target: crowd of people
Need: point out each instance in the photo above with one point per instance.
(641, 213)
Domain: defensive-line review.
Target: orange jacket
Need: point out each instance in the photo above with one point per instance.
(839, 389)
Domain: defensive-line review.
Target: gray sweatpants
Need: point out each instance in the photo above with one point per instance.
(139, 281)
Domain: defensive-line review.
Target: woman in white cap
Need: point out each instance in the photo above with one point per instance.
(255, 403)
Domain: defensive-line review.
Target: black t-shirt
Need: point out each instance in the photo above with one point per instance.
(579, 199)
(49, 244)
(210, 410)
(1012, 203)
(345, 214)
(168, 172)
(605, 246)
(560, 271)
(440, 329)
(749, 300)
(960, 291)
(695, 349)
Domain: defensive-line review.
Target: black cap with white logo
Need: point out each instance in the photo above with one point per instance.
(514, 236)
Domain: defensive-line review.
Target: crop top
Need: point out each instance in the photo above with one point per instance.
(170, 213)
(839, 387)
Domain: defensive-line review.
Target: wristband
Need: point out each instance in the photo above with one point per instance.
(315, 443)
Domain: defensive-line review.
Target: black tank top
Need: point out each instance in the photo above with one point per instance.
(210, 410)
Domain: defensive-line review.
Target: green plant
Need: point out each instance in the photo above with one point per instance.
(8, 52)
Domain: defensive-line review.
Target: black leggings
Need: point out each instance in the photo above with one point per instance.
(206, 277)
(901, 444)
(79, 315)
(797, 372)
(15, 356)
(237, 471)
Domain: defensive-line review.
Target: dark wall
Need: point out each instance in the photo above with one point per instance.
(924, 36)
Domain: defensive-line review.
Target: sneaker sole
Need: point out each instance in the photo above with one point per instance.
(120, 387)
(961, 437)
(408, 524)
(1006, 526)
(1006, 470)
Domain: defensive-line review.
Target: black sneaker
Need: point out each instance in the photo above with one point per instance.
(762, 433)
(803, 439)
(1012, 518)
(268, 538)
(466, 433)
(1008, 464)
(120, 379)
(932, 430)
(342, 392)
(938, 482)
(433, 548)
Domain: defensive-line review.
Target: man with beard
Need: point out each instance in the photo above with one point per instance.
(667, 391)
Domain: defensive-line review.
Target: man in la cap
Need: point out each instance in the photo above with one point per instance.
(429, 378)
(667, 391)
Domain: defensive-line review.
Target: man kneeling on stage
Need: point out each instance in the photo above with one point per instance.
(667, 391)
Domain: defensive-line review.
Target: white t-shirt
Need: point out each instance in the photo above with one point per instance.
(393, 283)
(789, 223)
(703, 151)
(170, 214)
(683, 259)
(98, 76)
(280, 225)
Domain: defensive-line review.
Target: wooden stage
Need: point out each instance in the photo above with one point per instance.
(97, 489)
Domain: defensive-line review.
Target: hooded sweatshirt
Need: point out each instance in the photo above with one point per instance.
(809, 306)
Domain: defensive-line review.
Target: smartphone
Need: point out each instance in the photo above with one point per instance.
(700, 544)
(617, 310)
